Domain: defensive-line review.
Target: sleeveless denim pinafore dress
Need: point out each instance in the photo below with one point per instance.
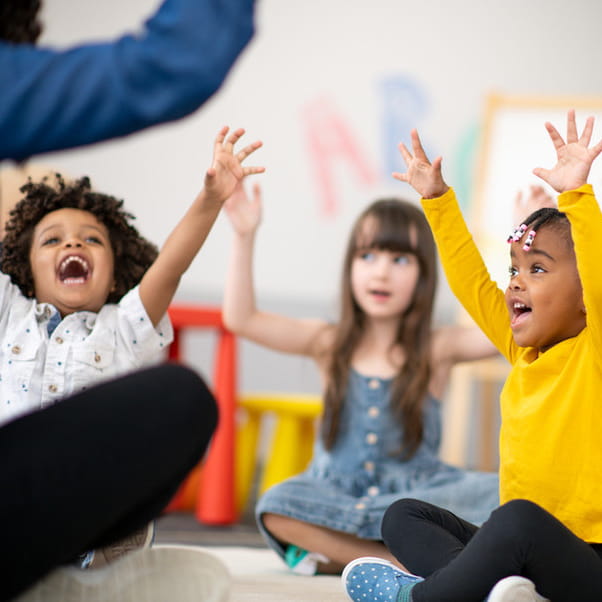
(349, 487)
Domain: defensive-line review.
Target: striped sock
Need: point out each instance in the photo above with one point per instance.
(405, 593)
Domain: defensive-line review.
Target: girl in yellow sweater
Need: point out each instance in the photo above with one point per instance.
(548, 532)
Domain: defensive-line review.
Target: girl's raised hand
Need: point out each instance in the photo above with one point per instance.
(244, 211)
(425, 177)
(574, 156)
(227, 169)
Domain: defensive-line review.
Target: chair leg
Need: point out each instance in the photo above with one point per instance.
(280, 463)
(246, 457)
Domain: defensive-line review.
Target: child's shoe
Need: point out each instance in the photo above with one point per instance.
(370, 579)
(302, 562)
(142, 538)
(515, 589)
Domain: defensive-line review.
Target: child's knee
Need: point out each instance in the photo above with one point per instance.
(519, 517)
(397, 515)
(276, 524)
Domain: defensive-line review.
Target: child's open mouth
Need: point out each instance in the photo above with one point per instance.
(74, 270)
(519, 313)
(381, 295)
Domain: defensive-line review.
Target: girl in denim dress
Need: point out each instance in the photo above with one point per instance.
(384, 369)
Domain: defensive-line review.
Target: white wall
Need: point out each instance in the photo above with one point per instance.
(370, 70)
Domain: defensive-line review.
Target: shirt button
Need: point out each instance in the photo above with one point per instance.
(374, 490)
(360, 506)
(59, 340)
(371, 438)
(374, 383)
(53, 388)
(16, 349)
(369, 466)
(373, 412)
(97, 358)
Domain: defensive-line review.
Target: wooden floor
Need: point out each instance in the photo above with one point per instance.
(183, 528)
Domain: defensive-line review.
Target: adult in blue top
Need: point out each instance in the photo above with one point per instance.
(90, 472)
(57, 99)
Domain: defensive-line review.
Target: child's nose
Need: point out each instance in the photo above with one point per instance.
(382, 266)
(516, 283)
(73, 243)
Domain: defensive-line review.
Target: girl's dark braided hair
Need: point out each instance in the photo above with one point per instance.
(546, 216)
(133, 254)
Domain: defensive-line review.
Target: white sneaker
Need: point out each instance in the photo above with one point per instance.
(154, 574)
(143, 538)
(515, 589)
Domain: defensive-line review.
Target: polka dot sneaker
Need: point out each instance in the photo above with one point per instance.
(371, 579)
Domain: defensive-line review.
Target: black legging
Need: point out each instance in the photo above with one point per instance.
(95, 467)
(463, 562)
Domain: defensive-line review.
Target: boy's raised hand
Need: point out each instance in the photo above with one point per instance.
(574, 156)
(227, 169)
(244, 211)
(425, 177)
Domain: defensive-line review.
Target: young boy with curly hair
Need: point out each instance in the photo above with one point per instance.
(71, 310)
(83, 297)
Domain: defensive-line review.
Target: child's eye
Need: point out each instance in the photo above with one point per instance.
(402, 259)
(50, 241)
(512, 271)
(537, 269)
(94, 239)
(367, 255)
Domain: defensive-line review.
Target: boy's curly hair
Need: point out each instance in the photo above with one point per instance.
(19, 21)
(133, 254)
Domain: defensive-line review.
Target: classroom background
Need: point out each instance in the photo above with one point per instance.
(331, 87)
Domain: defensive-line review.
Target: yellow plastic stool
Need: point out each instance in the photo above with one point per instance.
(291, 443)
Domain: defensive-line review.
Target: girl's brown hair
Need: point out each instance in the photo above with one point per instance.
(399, 226)
(133, 254)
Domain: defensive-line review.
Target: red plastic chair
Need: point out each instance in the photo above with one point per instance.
(215, 498)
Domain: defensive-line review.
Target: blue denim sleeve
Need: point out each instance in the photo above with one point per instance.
(52, 99)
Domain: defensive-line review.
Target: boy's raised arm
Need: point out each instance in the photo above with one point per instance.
(159, 284)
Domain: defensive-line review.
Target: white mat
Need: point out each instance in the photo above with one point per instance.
(259, 576)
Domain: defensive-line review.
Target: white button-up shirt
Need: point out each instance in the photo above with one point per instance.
(38, 368)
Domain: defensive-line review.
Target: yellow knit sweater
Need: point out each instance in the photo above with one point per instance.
(551, 403)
